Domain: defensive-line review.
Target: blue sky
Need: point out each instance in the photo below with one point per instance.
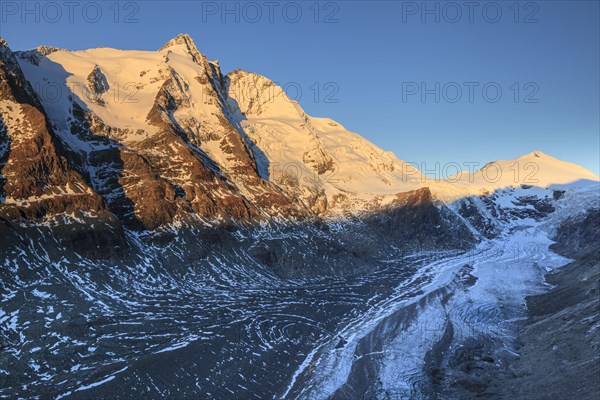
(378, 66)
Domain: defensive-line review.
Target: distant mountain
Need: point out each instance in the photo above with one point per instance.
(534, 169)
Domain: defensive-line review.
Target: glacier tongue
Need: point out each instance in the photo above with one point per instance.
(468, 308)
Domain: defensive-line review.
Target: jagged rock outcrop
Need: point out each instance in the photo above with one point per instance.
(98, 85)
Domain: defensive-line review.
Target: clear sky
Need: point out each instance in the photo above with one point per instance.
(419, 79)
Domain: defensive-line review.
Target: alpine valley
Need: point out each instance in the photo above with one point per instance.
(168, 231)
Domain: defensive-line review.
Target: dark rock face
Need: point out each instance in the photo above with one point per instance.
(577, 238)
(558, 194)
(33, 56)
(97, 84)
(541, 206)
(319, 160)
(471, 213)
(415, 220)
(4, 150)
(103, 241)
(488, 217)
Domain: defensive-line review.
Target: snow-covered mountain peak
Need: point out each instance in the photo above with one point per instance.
(183, 44)
(550, 170)
(537, 154)
(314, 158)
(534, 169)
(181, 39)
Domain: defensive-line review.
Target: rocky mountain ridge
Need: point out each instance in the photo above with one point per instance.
(162, 138)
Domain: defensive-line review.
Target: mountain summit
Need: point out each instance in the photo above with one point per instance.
(181, 39)
(185, 42)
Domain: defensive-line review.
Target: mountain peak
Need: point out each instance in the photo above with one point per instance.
(183, 42)
(536, 154)
(181, 39)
